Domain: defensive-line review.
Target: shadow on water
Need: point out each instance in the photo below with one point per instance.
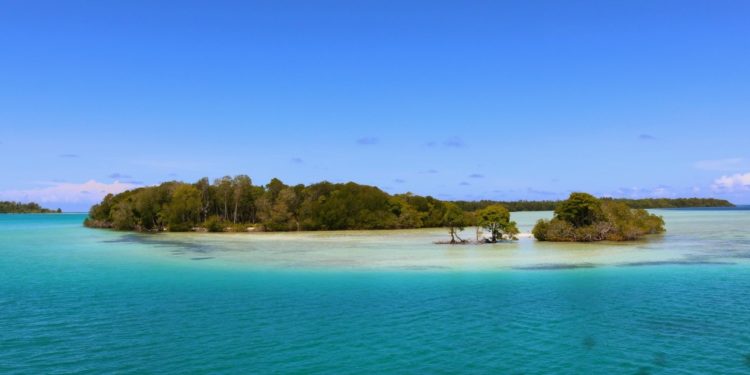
(556, 266)
(674, 263)
(660, 359)
(589, 342)
(177, 247)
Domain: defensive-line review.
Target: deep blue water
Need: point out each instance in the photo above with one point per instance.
(74, 301)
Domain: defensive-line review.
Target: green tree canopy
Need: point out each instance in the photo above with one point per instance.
(184, 208)
(496, 220)
(580, 209)
(7, 207)
(584, 218)
(455, 219)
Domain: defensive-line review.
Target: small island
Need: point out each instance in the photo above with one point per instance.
(235, 204)
(584, 218)
(7, 207)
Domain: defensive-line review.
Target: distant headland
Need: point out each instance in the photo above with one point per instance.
(235, 204)
(7, 207)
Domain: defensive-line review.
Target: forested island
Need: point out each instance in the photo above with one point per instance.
(584, 218)
(235, 204)
(7, 207)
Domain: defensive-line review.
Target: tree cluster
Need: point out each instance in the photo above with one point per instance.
(584, 218)
(7, 207)
(234, 204)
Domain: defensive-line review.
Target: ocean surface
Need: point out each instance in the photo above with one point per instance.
(76, 300)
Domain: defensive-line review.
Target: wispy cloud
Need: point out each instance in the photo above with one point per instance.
(366, 141)
(540, 192)
(68, 156)
(454, 142)
(119, 176)
(646, 137)
(730, 183)
(720, 165)
(87, 192)
(662, 191)
(174, 165)
(476, 175)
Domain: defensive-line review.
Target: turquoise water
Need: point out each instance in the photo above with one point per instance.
(74, 300)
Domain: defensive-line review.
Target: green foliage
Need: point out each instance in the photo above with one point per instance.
(122, 216)
(184, 208)
(348, 206)
(583, 218)
(455, 219)
(234, 203)
(214, 224)
(407, 215)
(580, 209)
(7, 207)
(496, 220)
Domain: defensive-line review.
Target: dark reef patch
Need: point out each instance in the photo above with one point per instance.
(180, 247)
(556, 266)
(675, 263)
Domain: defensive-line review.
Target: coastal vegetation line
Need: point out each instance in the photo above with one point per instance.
(236, 204)
(550, 205)
(7, 207)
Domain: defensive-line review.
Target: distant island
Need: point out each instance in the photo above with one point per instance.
(550, 205)
(235, 204)
(7, 207)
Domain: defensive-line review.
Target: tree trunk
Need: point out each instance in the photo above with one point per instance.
(226, 207)
(235, 211)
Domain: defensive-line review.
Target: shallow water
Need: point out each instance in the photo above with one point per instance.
(692, 237)
(75, 300)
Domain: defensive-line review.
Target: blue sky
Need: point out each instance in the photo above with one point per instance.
(460, 100)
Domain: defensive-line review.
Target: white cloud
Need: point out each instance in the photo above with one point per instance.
(661, 192)
(721, 165)
(737, 181)
(64, 192)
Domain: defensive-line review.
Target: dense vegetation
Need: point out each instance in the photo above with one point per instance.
(24, 208)
(234, 204)
(514, 206)
(584, 218)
